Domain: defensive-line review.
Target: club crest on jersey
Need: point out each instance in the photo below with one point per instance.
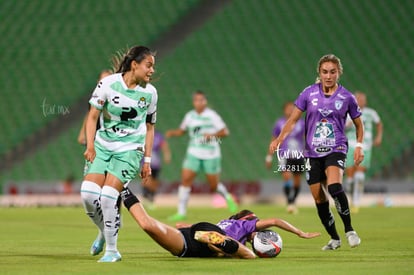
(338, 104)
(142, 103)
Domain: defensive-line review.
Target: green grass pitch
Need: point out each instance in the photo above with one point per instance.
(57, 241)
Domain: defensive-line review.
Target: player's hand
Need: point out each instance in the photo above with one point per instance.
(145, 172)
(274, 145)
(358, 156)
(377, 141)
(89, 154)
(268, 164)
(309, 235)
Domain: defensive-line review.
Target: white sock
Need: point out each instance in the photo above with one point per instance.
(222, 190)
(349, 181)
(111, 218)
(90, 194)
(183, 197)
(359, 179)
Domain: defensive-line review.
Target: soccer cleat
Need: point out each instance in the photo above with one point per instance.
(332, 245)
(353, 238)
(231, 204)
(211, 237)
(177, 217)
(291, 209)
(97, 246)
(110, 257)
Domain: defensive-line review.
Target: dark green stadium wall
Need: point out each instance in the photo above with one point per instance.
(249, 58)
(255, 55)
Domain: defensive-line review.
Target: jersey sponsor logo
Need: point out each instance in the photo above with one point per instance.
(324, 134)
(325, 111)
(341, 96)
(314, 93)
(338, 104)
(314, 101)
(323, 150)
(128, 113)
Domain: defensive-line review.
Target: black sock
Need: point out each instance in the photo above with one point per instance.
(286, 190)
(148, 194)
(128, 197)
(341, 203)
(327, 219)
(229, 246)
(295, 194)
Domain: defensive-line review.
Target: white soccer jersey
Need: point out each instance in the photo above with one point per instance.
(124, 113)
(208, 122)
(370, 118)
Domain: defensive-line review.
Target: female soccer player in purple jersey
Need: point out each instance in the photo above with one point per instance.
(204, 239)
(327, 104)
(290, 156)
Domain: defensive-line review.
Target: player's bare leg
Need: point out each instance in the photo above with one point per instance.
(217, 186)
(184, 190)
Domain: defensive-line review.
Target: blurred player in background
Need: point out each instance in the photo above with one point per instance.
(327, 104)
(226, 238)
(160, 152)
(205, 128)
(128, 103)
(291, 163)
(356, 174)
(82, 132)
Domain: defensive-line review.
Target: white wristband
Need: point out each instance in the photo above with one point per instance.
(147, 159)
(359, 144)
(269, 158)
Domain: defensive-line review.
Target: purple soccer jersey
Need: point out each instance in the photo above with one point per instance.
(325, 119)
(156, 159)
(238, 229)
(294, 142)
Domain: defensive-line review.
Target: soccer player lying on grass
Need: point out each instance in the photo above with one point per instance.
(205, 239)
(243, 225)
(181, 242)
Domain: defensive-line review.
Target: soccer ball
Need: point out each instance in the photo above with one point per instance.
(267, 244)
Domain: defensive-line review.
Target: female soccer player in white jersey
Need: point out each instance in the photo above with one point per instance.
(205, 128)
(327, 104)
(356, 174)
(128, 103)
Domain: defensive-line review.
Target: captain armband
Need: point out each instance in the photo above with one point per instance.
(152, 118)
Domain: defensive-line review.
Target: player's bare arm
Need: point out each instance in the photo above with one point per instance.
(359, 152)
(91, 121)
(287, 129)
(174, 133)
(266, 223)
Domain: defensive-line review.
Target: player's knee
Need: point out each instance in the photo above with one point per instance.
(90, 191)
(335, 189)
(109, 197)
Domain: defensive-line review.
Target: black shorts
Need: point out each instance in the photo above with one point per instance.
(296, 166)
(193, 248)
(317, 166)
(155, 172)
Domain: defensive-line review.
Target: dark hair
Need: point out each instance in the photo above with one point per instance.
(245, 215)
(122, 61)
(200, 92)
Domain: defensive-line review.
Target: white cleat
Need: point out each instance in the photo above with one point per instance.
(332, 245)
(353, 239)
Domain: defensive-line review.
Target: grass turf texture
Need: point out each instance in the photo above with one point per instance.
(57, 241)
